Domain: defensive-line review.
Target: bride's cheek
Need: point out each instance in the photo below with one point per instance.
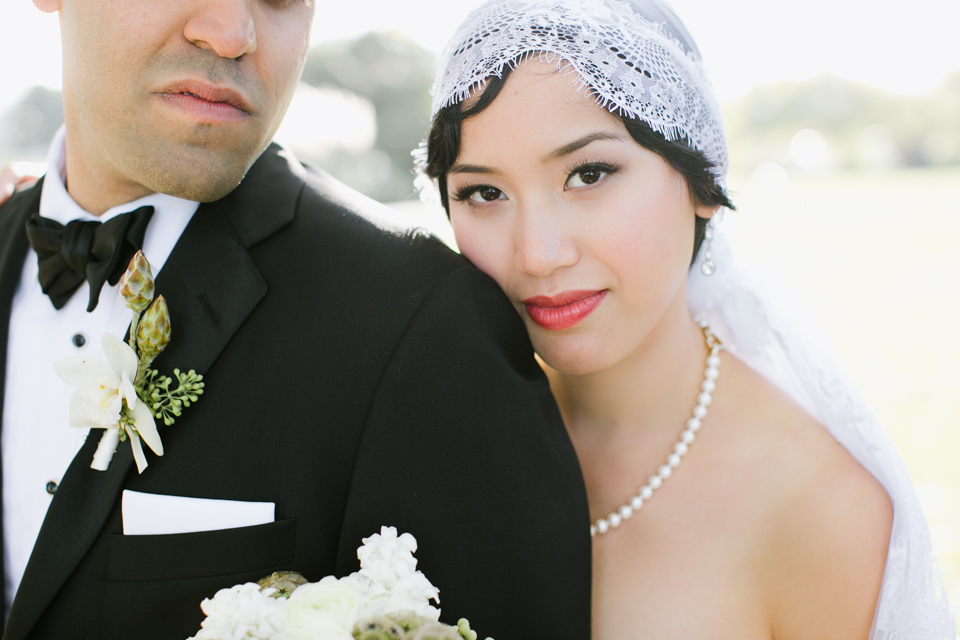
(481, 246)
(647, 261)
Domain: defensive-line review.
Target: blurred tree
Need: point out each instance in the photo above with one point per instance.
(859, 126)
(939, 138)
(27, 128)
(395, 75)
(863, 127)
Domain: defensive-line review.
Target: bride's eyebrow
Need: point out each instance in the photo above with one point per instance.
(471, 168)
(580, 143)
(556, 154)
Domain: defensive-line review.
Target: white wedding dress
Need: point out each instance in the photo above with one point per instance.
(775, 336)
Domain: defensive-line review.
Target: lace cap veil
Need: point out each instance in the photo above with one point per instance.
(638, 59)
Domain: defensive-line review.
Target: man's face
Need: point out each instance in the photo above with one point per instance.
(179, 96)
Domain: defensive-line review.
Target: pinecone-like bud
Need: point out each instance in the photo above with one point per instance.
(285, 582)
(153, 334)
(408, 620)
(379, 628)
(136, 285)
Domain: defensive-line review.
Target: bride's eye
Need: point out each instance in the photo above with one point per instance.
(479, 194)
(586, 175)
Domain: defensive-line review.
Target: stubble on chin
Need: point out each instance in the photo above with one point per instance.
(193, 172)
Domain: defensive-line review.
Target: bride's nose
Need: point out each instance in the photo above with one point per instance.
(542, 242)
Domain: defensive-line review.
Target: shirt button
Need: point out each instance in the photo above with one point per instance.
(78, 340)
(51, 487)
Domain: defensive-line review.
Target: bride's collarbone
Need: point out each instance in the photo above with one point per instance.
(766, 508)
(686, 563)
(751, 447)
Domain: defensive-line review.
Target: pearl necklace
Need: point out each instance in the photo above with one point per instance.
(680, 449)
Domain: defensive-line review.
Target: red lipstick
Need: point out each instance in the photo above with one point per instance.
(206, 102)
(563, 310)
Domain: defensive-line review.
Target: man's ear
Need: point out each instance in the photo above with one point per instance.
(47, 6)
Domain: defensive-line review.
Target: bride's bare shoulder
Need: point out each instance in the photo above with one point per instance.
(826, 519)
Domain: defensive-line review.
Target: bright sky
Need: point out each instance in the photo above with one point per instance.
(903, 47)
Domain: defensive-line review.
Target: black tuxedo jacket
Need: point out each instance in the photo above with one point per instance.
(358, 374)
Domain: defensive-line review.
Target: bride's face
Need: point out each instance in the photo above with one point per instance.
(589, 234)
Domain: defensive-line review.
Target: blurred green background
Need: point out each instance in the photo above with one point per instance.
(847, 192)
(874, 254)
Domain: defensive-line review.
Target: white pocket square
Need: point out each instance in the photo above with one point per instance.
(149, 514)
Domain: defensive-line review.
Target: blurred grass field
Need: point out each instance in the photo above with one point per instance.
(876, 257)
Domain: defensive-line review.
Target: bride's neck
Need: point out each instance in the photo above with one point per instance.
(643, 391)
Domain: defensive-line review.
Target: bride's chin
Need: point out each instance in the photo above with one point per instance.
(569, 359)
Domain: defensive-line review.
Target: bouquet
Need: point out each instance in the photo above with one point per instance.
(388, 599)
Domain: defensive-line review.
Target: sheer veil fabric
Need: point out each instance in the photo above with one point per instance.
(636, 58)
(775, 335)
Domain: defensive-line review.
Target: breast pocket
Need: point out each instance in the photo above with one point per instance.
(203, 554)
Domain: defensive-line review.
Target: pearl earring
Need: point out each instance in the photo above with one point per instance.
(708, 267)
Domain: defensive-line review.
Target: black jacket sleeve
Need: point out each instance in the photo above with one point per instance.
(465, 449)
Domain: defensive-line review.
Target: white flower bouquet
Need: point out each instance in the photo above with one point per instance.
(388, 599)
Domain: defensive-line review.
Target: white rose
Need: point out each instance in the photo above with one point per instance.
(239, 613)
(325, 610)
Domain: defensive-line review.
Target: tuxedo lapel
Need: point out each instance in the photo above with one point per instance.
(211, 285)
(13, 251)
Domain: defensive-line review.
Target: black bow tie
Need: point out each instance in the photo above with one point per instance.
(97, 252)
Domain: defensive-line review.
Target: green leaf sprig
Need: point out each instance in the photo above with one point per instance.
(167, 404)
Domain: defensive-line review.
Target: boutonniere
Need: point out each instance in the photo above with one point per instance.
(123, 395)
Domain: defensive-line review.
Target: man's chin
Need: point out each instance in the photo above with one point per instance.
(204, 191)
(198, 175)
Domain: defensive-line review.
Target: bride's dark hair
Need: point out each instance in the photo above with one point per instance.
(443, 149)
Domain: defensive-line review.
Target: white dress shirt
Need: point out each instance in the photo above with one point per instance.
(38, 443)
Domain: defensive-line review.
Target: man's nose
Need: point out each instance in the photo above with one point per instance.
(543, 244)
(225, 27)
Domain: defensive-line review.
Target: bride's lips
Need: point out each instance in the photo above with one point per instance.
(563, 310)
(205, 101)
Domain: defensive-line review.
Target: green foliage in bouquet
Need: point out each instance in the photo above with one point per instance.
(409, 626)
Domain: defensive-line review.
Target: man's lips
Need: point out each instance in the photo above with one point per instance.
(206, 101)
(563, 310)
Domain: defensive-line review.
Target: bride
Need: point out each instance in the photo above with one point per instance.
(738, 486)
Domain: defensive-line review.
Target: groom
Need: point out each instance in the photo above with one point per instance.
(358, 373)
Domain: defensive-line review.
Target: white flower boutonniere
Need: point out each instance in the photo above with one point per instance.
(124, 395)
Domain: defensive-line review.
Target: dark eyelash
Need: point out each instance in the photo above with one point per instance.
(609, 168)
(286, 3)
(465, 192)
